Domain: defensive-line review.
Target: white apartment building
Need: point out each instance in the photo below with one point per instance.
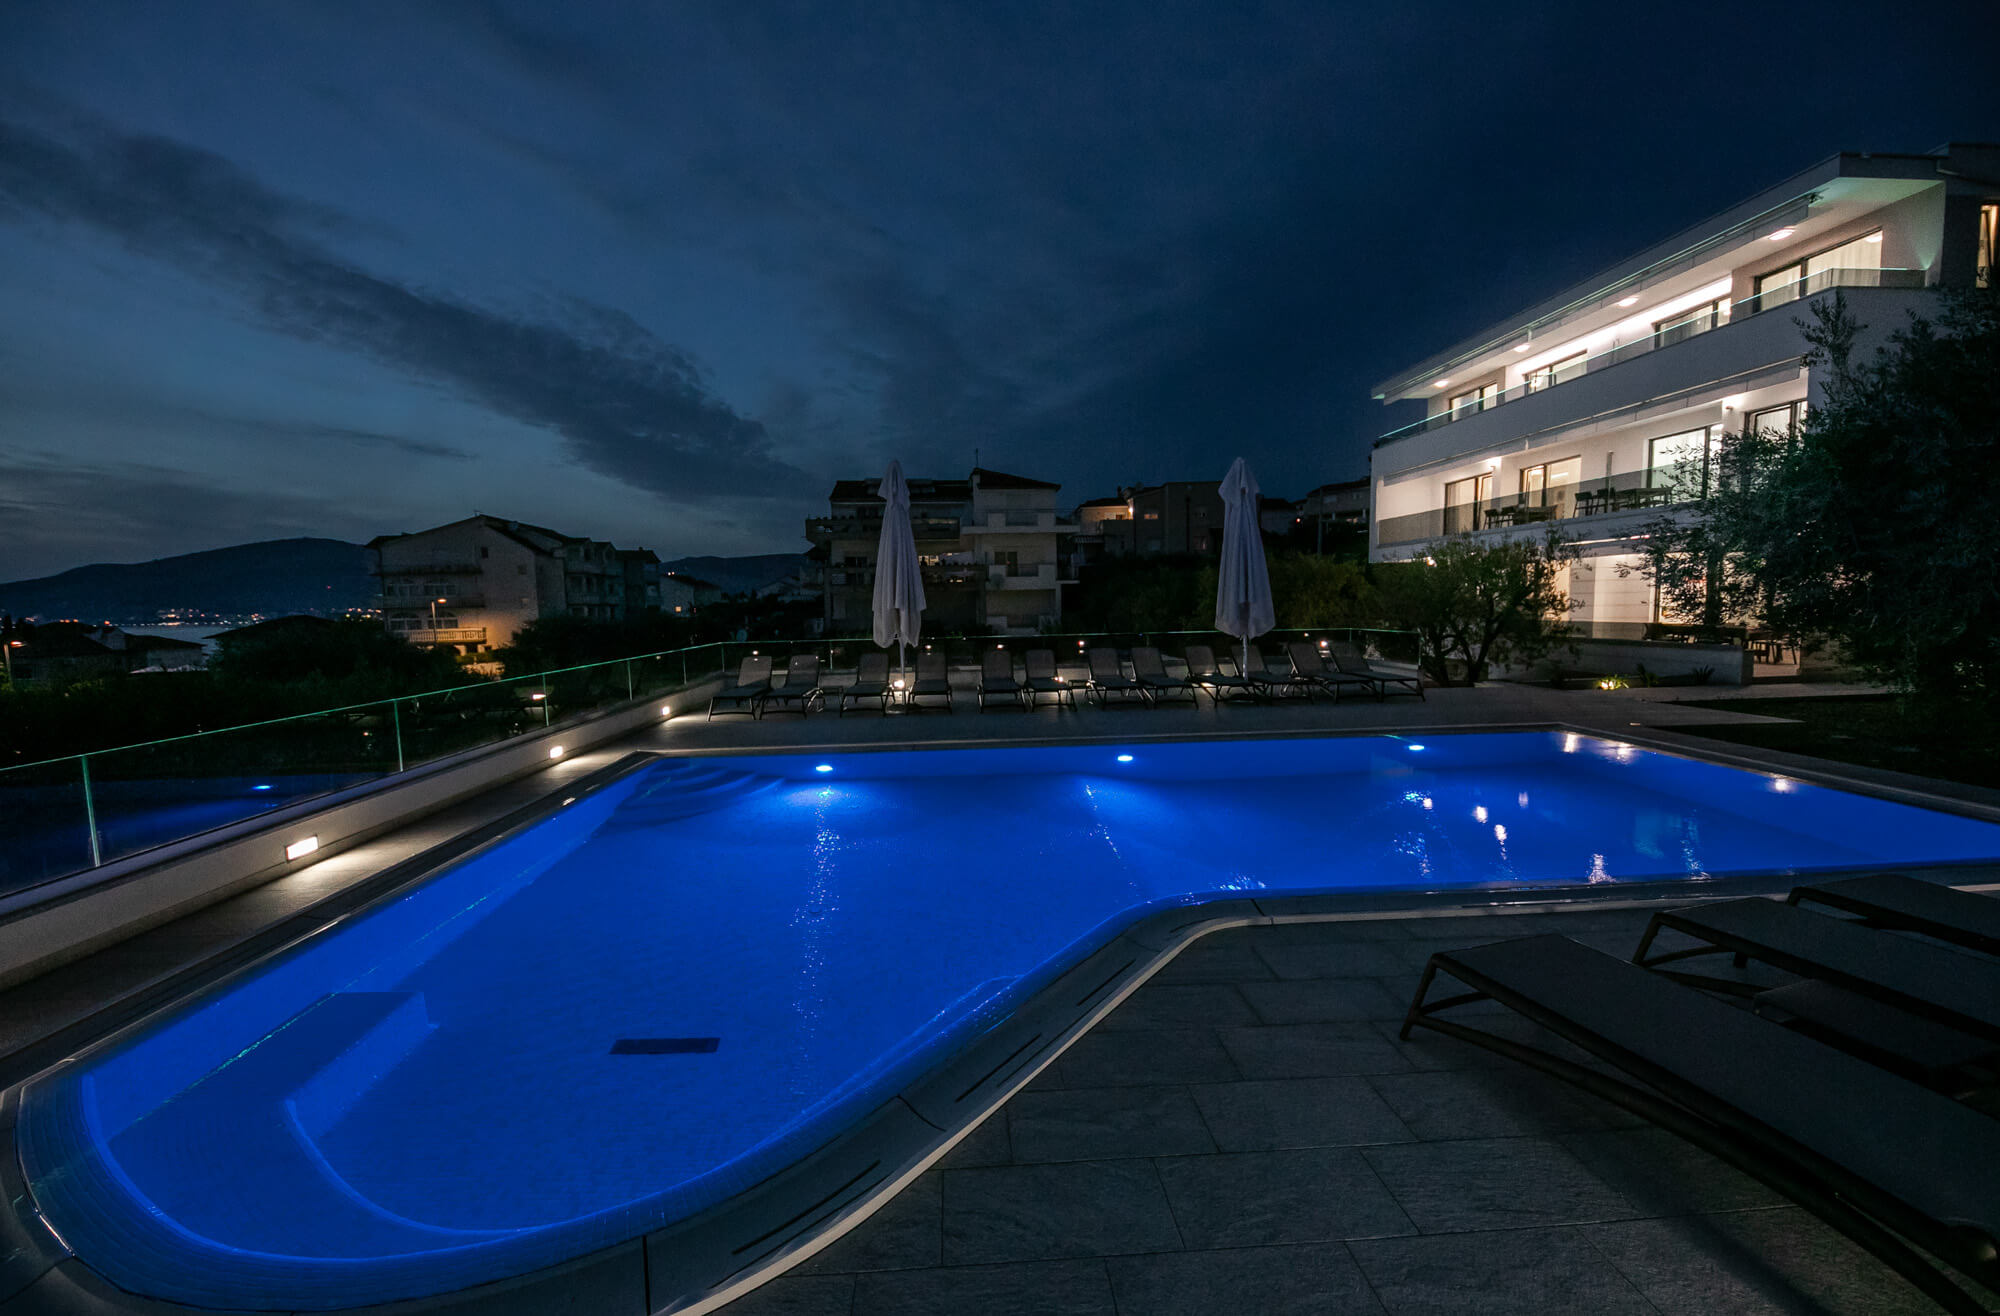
(1014, 531)
(1603, 405)
(472, 584)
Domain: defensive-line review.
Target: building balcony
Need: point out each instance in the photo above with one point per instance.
(1681, 357)
(1032, 575)
(422, 603)
(445, 635)
(1021, 523)
(398, 569)
(822, 528)
(1645, 493)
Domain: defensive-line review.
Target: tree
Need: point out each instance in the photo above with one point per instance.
(1872, 524)
(1475, 605)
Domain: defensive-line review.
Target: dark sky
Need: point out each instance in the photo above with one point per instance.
(660, 272)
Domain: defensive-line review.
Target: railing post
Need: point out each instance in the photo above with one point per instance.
(628, 678)
(396, 720)
(90, 812)
(684, 669)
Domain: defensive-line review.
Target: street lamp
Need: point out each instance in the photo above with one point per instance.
(8, 649)
(434, 619)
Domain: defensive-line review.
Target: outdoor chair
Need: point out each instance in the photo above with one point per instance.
(996, 679)
(1348, 659)
(800, 690)
(753, 680)
(1891, 900)
(1204, 672)
(1151, 672)
(1947, 986)
(1278, 677)
(1107, 678)
(1043, 679)
(1891, 1164)
(933, 681)
(1309, 666)
(871, 681)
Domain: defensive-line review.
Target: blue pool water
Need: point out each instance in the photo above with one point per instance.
(429, 1096)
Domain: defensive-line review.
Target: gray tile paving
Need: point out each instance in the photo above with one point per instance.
(1120, 1059)
(1494, 1183)
(1532, 1272)
(1251, 1199)
(1319, 1001)
(1050, 1288)
(1269, 1114)
(1308, 1280)
(1098, 1123)
(1038, 1212)
(1492, 1103)
(1312, 1050)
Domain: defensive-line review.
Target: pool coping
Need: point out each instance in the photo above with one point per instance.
(716, 1255)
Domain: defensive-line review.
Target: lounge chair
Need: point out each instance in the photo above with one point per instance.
(871, 681)
(1946, 986)
(1309, 666)
(933, 681)
(996, 679)
(800, 690)
(1891, 900)
(753, 682)
(1107, 678)
(1276, 677)
(1204, 672)
(1148, 670)
(1873, 1154)
(1348, 659)
(1043, 679)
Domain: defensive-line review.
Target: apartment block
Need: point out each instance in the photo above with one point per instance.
(993, 549)
(472, 584)
(1601, 408)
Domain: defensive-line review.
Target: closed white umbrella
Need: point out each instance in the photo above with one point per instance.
(899, 581)
(1243, 587)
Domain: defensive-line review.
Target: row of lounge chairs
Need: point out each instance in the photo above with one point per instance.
(1304, 671)
(1863, 1084)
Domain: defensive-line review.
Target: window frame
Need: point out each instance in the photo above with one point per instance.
(1547, 372)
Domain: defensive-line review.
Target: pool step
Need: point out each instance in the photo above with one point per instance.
(235, 1155)
(683, 797)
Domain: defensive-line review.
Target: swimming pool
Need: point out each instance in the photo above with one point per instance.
(682, 983)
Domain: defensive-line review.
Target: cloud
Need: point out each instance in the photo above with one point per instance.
(628, 405)
(60, 512)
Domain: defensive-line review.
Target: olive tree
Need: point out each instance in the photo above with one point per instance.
(1474, 604)
(1872, 524)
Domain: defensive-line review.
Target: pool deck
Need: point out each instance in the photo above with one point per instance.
(1244, 1134)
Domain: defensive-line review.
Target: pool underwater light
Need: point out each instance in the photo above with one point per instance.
(1415, 748)
(824, 767)
(1124, 758)
(261, 787)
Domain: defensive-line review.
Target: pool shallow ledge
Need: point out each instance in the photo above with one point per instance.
(715, 1255)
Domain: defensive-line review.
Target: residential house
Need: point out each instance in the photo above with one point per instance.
(1178, 517)
(1600, 408)
(992, 547)
(473, 583)
(76, 651)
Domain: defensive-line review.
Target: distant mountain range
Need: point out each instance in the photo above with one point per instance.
(272, 579)
(737, 575)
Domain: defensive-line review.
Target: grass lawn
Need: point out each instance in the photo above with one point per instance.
(1956, 742)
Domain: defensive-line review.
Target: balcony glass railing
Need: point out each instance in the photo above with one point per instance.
(65, 816)
(1654, 487)
(1693, 325)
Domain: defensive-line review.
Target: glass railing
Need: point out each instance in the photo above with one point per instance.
(1691, 326)
(64, 815)
(67, 815)
(1654, 487)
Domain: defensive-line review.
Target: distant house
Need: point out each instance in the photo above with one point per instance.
(472, 584)
(683, 595)
(73, 651)
(1180, 516)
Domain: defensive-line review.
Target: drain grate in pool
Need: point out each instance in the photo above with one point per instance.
(664, 1046)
